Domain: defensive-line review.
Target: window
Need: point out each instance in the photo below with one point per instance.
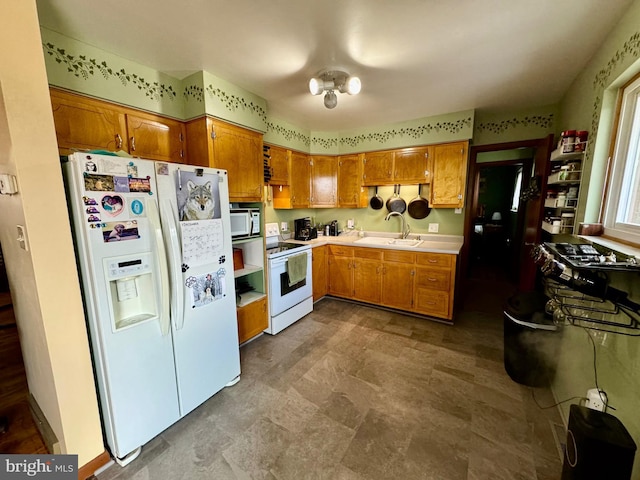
(622, 212)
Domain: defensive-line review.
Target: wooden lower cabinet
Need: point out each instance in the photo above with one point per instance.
(339, 271)
(419, 282)
(367, 275)
(397, 285)
(319, 271)
(434, 284)
(252, 319)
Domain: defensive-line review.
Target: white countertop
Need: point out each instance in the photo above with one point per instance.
(434, 243)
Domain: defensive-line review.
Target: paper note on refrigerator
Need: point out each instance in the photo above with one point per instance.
(202, 241)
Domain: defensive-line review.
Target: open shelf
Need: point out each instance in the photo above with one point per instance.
(247, 270)
(249, 297)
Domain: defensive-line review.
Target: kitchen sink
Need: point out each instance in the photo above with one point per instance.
(399, 242)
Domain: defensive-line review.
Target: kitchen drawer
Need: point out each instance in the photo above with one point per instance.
(433, 278)
(435, 259)
(431, 302)
(398, 256)
(341, 250)
(370, 253)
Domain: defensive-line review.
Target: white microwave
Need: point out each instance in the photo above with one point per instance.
(245, 222)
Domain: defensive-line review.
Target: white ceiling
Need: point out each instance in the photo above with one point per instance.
(416, 58)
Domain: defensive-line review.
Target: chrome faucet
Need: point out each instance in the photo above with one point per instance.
(405, 226)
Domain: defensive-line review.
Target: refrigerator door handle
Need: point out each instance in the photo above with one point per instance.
(177, 297)
(154, 219)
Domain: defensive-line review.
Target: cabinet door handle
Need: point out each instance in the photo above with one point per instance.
(133, 144)
(181, 153)
(118, 140)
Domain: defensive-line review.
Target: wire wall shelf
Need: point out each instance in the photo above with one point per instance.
(570, 307)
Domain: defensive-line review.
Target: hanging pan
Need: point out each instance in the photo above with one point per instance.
(419, 206)
(376, 201)
(396, 202)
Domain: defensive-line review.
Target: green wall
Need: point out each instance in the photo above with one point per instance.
(588, 105)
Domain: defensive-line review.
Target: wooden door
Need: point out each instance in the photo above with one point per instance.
(367, 280)
(410, 165)
(252, 319)
(340, 276)
(377, 168)
(239, 151)
(350, 191)
(300, 178)
(533, 214)
(319, 271)
(156, 138)
(397, 285)
(449, 175)
(324, 175)
(279, 165)
(86, 124)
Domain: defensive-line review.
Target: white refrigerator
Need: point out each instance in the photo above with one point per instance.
(153, 242)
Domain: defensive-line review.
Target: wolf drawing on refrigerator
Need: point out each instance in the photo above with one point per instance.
(200, 203)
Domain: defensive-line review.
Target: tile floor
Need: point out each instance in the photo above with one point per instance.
(354, 392)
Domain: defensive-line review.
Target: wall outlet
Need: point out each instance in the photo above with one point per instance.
(596, 400)
(433, 227)
(271, 229)
(458, 211)
(284, 226)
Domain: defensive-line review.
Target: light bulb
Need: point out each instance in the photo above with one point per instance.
(315, 86)
(353, 85)
(330, 99)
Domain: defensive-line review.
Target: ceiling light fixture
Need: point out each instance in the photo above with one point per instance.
(332, 80)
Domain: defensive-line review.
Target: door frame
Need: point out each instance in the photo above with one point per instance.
(534, 207)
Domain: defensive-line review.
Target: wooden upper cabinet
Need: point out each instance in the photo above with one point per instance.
(86, 124)
(300, 189)
(377, 168)
(324, 175)
(411, 165)
(239, 152)
(155, 137)
(350, 191)
(279, 165)
(448, 180)
(402, 166)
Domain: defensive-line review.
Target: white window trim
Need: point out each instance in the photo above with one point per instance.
(629, 127)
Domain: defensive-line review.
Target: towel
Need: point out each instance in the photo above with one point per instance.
(297, 268)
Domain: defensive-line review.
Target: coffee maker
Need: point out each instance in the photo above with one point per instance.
(303, 229)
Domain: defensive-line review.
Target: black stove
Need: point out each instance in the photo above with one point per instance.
(585, 256)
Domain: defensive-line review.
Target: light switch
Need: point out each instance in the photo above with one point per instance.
(433, 227)
(22, 238)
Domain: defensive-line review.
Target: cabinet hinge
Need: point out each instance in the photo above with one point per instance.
(213, 134)
(181, 137)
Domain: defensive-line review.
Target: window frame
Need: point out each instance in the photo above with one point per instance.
(627, 128)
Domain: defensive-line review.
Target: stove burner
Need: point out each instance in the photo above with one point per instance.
(585, 256)
(282, 247)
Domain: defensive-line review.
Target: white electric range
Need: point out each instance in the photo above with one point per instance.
(287, 303)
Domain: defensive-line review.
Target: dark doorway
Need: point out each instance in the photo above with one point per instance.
(497, 226)
(533, 156)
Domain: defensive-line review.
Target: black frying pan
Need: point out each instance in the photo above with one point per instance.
(419, 206)
(376, 201)
(396, 203)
